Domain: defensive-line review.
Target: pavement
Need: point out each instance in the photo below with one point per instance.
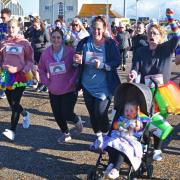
(36, 155)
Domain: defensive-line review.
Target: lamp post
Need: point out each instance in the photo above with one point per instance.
(107, 9)
(124, 13)
(52, 11)
(64, 10)
(137, 10)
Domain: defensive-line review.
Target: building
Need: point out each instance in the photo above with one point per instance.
(14, 6)
(50, 10)
(89, 10)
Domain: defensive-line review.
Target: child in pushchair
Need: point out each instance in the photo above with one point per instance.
(122, 142)
(132, 103)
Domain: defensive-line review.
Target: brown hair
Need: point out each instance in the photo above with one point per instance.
(37, 20)
(6, 11)
(58, 20)
(59, 31)
(100, 18)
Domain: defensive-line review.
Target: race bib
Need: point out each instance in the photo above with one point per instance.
(14, 49)
(158, 78)
(57, 68)
(92, 56)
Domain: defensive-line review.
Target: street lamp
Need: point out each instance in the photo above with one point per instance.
(124, 13)
(52, 11)
(137, 10)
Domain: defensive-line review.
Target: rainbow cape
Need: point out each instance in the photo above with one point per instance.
(11, 81)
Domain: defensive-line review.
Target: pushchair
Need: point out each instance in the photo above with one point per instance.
(143, 95)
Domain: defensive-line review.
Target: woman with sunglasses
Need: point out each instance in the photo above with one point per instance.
(15, 62)
(78, 32)
(156, 59)
(98, 58)
(59, 75)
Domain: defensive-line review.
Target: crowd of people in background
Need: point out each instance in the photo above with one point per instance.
(66, 58)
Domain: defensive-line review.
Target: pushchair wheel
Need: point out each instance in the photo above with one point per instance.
(94, 175)
(150, 171)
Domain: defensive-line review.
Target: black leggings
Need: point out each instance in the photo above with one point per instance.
(14, 98)
(63, 109)
(98, 111)
(116, 157)
(157, 142)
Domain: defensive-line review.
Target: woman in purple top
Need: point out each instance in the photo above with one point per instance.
(58, 74)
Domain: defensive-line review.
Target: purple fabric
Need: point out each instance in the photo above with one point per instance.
(61, 83)
(128, 145)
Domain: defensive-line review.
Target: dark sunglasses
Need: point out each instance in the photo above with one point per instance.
(75, 24)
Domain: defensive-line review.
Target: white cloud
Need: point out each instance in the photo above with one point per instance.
(146, 8)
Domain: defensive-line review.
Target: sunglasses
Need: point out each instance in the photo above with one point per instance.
(75, 25)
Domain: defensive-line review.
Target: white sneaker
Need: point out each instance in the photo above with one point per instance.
(79, 125)
(64, 138)
(113, 174)
(26, 121)
(9, 134)
(3, 96)
(108, 169)
(157, 156)
(97, 145)
(80, 92)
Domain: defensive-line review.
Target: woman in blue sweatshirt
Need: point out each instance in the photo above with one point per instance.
(98, 57)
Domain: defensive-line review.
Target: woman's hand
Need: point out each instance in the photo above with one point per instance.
(138, 125)
(97, 63)
(131, 77)
(77, 58)
(10, 69)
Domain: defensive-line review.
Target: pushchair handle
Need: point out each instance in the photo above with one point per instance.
(155, 91)
(155, 83)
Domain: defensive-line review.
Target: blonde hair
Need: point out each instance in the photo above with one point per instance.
(14, 21)
(77, 20)
(160, 29)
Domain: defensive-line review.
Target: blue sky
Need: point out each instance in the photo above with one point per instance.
(149, 8)
(30, 6)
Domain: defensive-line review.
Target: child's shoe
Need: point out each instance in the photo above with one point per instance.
(9, 134)
(97, 145)
(157, 156)
(113, 174)
(108, 169)
(26, 121)
(64, 138)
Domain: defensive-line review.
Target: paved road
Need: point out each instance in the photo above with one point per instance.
(35, 154)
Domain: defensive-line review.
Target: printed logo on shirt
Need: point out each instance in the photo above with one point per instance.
(14, 49)
(92, 56)
(57, 68)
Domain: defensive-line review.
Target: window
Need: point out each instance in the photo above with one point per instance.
(69, 20)
(69, 8)
(61, 9)
(46, 8)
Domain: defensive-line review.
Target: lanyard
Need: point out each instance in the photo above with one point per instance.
(58, 56)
